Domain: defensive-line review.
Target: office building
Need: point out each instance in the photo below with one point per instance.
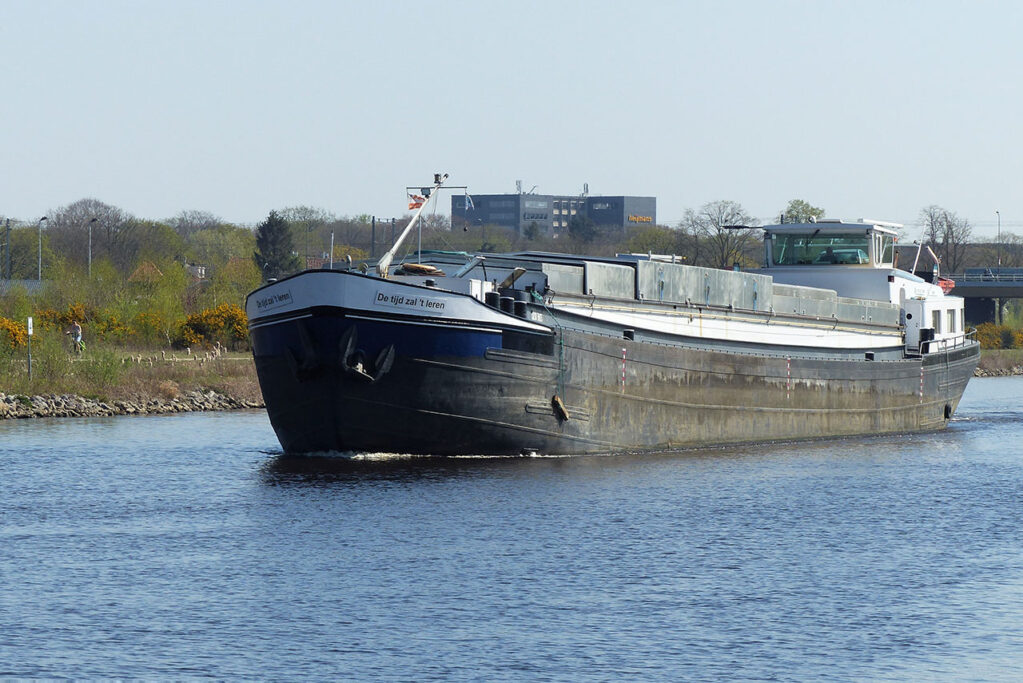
(550, 215)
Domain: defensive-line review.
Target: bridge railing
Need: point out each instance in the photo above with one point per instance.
(988, 275)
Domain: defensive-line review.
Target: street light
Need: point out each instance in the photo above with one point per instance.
(999, 214)
(7, 252)
(40, 275)
(90, 246)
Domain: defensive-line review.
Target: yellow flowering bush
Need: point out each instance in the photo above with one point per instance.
(13, 335)
(993, 336)
(227, 323)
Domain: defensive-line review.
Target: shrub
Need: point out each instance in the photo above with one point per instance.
(989, 335)
(1008, 337)
(149, 329)
(13, 334)
(101, 372)
(227, 323)
(169, 389)
(108, 326)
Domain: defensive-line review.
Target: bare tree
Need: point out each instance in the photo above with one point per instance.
(1010, 249)
(309, 229)
(188, 222)
(68, 229)
(947, 234)
(722, 244)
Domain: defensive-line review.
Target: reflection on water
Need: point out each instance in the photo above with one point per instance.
(188, 545)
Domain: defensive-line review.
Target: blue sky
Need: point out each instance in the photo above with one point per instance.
(868, 109)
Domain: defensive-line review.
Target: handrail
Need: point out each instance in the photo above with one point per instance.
(989, 275)
(955, 342)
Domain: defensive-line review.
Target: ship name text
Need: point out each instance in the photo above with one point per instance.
(406, 301)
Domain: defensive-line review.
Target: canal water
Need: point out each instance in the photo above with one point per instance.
(187, 546)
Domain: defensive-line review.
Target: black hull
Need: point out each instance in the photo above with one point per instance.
(472, 392)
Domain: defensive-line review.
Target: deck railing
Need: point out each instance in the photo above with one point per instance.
(946, 344)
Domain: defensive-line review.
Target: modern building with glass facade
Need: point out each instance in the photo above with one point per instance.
(550, 215)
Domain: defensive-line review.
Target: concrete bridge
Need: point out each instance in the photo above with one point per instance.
(984, 289)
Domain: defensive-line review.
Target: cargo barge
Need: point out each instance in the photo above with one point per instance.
(544, 353)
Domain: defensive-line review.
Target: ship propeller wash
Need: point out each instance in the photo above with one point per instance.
(564, 354)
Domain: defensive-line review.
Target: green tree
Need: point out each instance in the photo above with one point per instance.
(151, 241)
(309, 229)
(214, 247)
(655, 239)
(25, 254)
(275, 252)
(799, 211)
(582, 229)
(229, 284)
(343, 251)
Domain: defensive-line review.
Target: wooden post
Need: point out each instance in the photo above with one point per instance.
(29, 348)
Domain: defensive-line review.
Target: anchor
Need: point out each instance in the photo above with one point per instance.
(353, 359)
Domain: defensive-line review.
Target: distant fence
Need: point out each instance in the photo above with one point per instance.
(31, 286)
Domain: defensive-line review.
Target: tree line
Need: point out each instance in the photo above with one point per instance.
(301, 236)
(102, 258)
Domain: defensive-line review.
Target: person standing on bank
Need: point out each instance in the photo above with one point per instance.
(76, 336)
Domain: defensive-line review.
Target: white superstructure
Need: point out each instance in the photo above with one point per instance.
(858, 260)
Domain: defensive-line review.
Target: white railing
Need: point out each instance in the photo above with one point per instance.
(943, 344)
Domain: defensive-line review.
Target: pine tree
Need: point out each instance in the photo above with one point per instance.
(275, 253)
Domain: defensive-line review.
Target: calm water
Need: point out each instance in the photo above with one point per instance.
(186, 546)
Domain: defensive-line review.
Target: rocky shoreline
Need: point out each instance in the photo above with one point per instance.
(53, 405)
(1014, 371)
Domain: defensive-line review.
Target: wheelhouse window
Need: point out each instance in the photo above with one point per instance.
(820, 248)
(887, 250)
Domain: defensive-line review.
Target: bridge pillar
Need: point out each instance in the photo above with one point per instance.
(980, 310)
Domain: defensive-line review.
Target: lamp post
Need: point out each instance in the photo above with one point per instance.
(40, 272)
(999, 214)
(7, 250)
(90, 246)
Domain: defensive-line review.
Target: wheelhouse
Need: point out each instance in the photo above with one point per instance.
(866, 244)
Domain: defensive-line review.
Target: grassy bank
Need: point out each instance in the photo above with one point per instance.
(114, 374)
(1000, 360)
